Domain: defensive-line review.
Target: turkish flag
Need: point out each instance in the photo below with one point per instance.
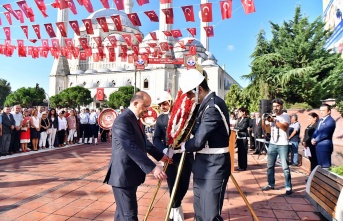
(206, 12)
(111, 54)
(226, 9)
(189, 12)
(61, 4)
(123, 57)
(127, 39)
(130, 59)
(8, 7)
(88, 52)
(45, 43)
(153, 36)
(152, 16)
(117, 22)
(62, 28)
(152, 45)
(166, 1)
(21, 48)
(119, 4)
(7, 31)
(123, 49)
(88, 25)
(148, 50)
(142, 2)
(105, 4)
(33, 40)
(55, 43)
(32, 18)
(176, 33)
(192, 49)
(102, 22)
(101, 53)
(25, 8)
(100, 94)
(169, 15)
(36, 28)
(25, 30)
(69, 43)
(134, 19)
(75, 26)
(35, 52)
(182, 44)
(71, 6)
(249, 6)
(49, 29)
(88, 5)
(164, 46)
(84, 43)
(42, 7)
(20, 43)
(135, 48)
(80, 2)
(112, 40)
(209, 31)
(139, 37)
(193, 31)
(98, 41)
(20, 15)
(167, 33)
(9, 18)
(83, 56)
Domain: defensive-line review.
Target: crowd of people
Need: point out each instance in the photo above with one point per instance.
(34, 129)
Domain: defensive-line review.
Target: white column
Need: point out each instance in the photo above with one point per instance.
(62, 16)
(203, 38)
(128, 5)
(163, 26)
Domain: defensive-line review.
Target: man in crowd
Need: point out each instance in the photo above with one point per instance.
(84, 125)
(93, 127)
(7, 128)
(322, 136)
(129, 161)
(278, 145)
(294, 138)
(257, 132)
(15, 137)
(211, 167)
(251, 137)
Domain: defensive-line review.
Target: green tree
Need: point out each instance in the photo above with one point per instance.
(72, 97)
(5, 89)
(121, 97)
(234, 98)
(26, 97)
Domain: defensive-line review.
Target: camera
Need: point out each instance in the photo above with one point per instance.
(267, 116)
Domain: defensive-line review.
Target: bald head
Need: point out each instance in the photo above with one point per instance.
(139, 103)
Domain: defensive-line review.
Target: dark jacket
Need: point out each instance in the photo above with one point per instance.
(308, 134)
(160, 132)
(323, 135)
(55, 123)
(7, 123)
(242, 127)
(257, 129)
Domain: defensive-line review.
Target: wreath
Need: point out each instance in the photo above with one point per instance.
(181, 119)
(151, 113)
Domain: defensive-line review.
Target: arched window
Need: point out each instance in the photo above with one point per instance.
(114, 83)
(128, 83)
(97, 83)
(71, 83)
(84, 83)
(146, 83)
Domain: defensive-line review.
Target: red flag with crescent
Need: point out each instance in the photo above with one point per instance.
(169, 15)
(206, 12)
(142, 2)
(123, 49)
(182, 44)
(102, 22)
(49, 29)
(105, 4)
(117, 22)
(55, 43)
(21, 48)
(25, 8)
(83, 56)
(88, 25)
(84, 43)
(112, 40)
(32, 18)
(42, 7)
(127, 39)
(193, 31)
(209, 31)
(8, 7)
(192, 49)
(75, 26)
(188, 12)
(36, 28)
(135, 48)
(25, 30)
(20, 15)
(61, 4)
(166, 1)
(152, 45)
(88, 5)
(119, 4)
(176, 33)
(153, 35)
(71, 6)
(45, 43)
(167, 33)
(80, 2)
(98, 41)
(152, 16)
(134, 19)
(100, 94)
(148, 50)
(249, 6)
(7, 31)
(164, 46)
(69, 43)
(61, 27)
(111, 53)
(139, 38)
(8, 17)
(226, 9)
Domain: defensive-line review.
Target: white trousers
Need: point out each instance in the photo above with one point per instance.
(42, 139)
(52, 136)
(71, 134)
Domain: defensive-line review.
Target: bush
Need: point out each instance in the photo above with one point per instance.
(337, 170)
(303, 106)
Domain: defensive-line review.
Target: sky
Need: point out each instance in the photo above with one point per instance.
(233, 42)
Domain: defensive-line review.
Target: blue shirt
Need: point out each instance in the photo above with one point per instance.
(0, 119)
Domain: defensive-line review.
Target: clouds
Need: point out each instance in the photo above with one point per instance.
(230, 47)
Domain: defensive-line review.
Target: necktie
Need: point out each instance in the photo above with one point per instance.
(320, 122)
(140, 124)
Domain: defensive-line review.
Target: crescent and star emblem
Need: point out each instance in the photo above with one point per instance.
(206, 10)
(247, 2)
(226, 6)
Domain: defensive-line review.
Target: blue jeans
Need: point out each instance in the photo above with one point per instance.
(273, 151)
(294, 152)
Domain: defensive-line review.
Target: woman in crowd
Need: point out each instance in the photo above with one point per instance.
(25, 131)
(62, 127)
(44, 126)
(232, 119)
(77, 130)
(34, 130)
(313, 119)
(242, 138)
(53, 121)
(71, 123)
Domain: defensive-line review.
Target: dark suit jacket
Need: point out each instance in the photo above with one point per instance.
(161, 131)
(323, 135)
(129, 161)
(308, 134)
(242, 127)
(257, 129)
(7, 123)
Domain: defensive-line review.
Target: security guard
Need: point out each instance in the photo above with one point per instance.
(211, 168)
(160, 141)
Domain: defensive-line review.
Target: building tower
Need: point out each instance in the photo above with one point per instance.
(203, 37)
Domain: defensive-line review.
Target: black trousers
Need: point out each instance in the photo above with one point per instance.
(84, 131)
(15, 141)
(94, 130)
(104, 134)
(242, 145)
(61, 136)
(313, 157)
(184, 177)
(258, 145)
(126, 201)
(208, 199)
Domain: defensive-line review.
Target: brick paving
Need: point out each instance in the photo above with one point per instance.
(66, 184)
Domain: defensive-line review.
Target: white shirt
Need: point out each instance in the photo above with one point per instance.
(62, 123)
(84, 118)
(278, 136)
(93, 118)
(18, 118)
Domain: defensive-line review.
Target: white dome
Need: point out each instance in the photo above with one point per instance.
(103, 70)
(91, 85)
(210, 56)
(106, 84)
(209, 63)
(91, 71)
(77, 72)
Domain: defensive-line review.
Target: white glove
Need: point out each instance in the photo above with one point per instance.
(183, 149)
(169, 152)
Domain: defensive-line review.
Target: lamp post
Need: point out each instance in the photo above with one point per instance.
(47, 101)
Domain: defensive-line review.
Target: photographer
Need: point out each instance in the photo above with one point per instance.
(278, 146)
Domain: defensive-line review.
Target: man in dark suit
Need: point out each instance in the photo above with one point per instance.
(129, 161)
(322, 136)
(257, 131)
(8, 124)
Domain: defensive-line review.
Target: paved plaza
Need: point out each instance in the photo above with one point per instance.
(66, 184)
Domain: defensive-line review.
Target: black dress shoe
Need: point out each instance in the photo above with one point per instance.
(256, 152)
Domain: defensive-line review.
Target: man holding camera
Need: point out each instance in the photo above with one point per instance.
(278, 145)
